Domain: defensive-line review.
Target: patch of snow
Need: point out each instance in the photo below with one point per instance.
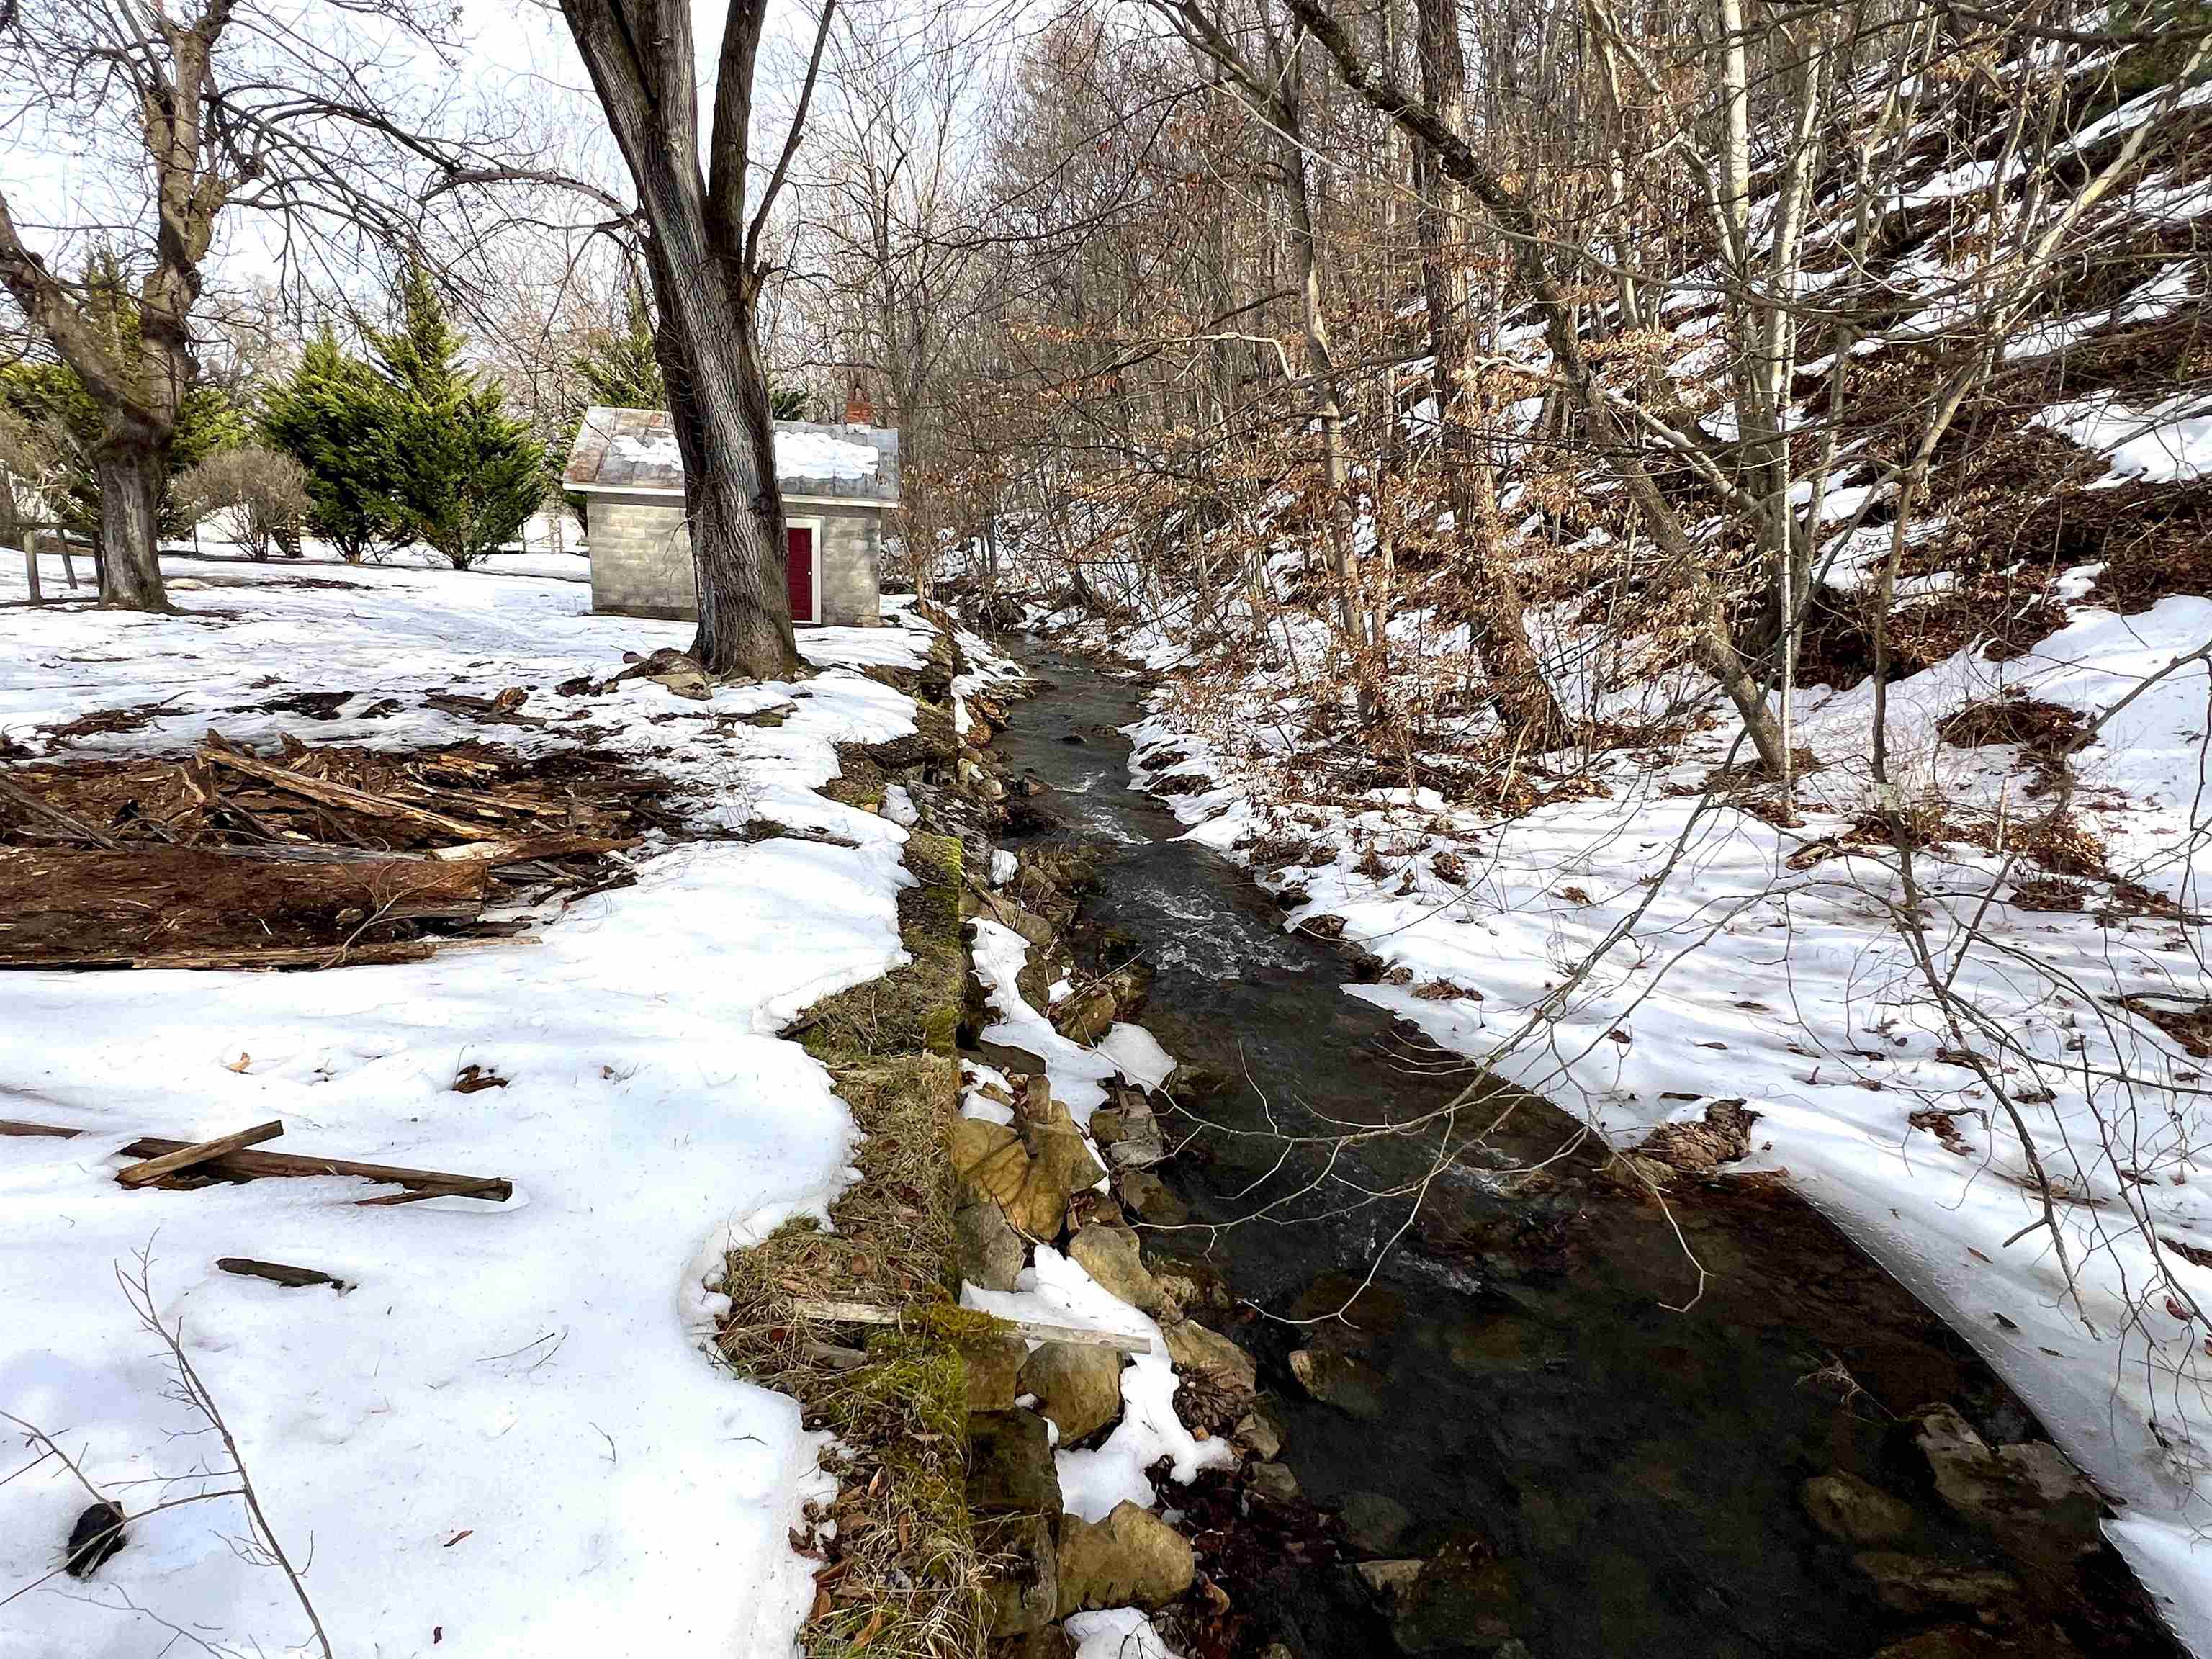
(820, 455)
(1117, 1633)
(1139, 1054)
(1055, 1290)
(2165, 442)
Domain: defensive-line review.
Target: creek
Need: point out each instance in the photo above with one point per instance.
(1516, 1394)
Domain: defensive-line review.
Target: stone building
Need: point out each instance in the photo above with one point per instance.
(839, 483)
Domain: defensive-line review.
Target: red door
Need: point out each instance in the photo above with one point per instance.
(798, 567)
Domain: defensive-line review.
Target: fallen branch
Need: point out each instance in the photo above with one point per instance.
(277, 1274)
(217, 752)
(69, 820)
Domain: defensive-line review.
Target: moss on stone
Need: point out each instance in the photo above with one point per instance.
(916, 1008)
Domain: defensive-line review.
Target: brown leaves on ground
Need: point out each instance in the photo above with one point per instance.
(2188, 1021)
(2046, 732)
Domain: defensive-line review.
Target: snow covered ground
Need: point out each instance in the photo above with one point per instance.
(506, 1437)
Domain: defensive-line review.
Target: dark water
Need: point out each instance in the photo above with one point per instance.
(1625, 1477)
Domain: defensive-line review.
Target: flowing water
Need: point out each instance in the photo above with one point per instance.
(1612, 1477)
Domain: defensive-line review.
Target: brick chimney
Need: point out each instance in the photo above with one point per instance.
(859, 411)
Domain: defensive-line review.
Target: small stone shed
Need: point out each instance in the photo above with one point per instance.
(839, 483)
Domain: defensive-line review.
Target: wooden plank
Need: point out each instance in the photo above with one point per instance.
(489, 1187)
(248, 1165)
(31, 568)
(864, 1312)
(276, 1273)
(252, 1166)
(199, 1151)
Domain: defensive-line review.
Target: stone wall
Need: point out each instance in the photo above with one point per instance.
(850, 542)
(642, 559)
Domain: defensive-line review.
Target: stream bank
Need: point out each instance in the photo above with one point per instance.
(1514, 1444)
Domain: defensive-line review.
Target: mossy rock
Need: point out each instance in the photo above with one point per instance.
(931, 743)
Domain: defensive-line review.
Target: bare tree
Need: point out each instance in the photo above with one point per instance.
(708, 260)
(235, 109)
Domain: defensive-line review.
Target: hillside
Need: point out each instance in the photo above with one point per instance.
(1955, 964)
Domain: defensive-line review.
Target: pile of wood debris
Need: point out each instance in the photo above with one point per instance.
(313, 857)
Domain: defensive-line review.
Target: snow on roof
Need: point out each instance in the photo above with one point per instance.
(635, 449)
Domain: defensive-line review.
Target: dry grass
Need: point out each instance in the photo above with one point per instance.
(901, 1576)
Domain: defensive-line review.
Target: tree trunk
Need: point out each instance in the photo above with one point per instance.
(643, 67)
(1524, 702)
(718, 404)
(130, 467)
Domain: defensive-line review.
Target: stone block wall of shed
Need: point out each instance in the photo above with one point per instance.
(641, 560)
(641, 557)
(849, 587)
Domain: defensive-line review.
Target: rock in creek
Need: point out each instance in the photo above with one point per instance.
(1256, 1431)
(1110, 1255)
(1917, 1586)
(2034, 1501)
(1461, 1597)
(1386, 1579)
(1085, 1016)
(1339, 1380)
(1969, 1642)
(1132, 1558)
(1854, 1511)
(1193, 1347)
(1191, 1278)
(1375, 1524)
(1147, 1196)
(1129, 1132)
(1077, 1385)
(1272, 1482)
(987, 1251)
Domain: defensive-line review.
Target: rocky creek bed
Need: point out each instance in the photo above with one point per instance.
(1516, 1438)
